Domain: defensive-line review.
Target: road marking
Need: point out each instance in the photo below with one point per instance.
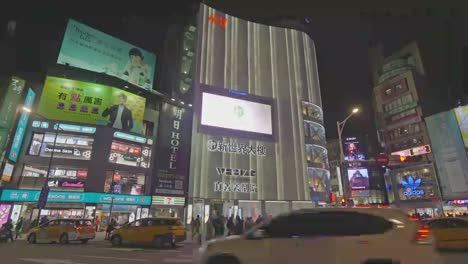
(177, 260)
(124, 249)
(51, 261)
(102, 257)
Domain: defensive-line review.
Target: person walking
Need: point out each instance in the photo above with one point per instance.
(196, 228)
(110, 228)
(230, 225)
(18, 227)
(239, 226)
(7, 228)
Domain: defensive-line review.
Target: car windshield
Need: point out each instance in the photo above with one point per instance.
(83, 223)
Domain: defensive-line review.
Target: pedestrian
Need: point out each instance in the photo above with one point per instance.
(239, 226)
(18, 227)
(230, 225)
(209, 229)
(196, 227)
(249, 223)
(43, 220)
(7, 228)
(222, 224)
(110, 228)
(98, 222)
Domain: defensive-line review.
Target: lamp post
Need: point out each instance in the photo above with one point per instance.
(340, 127)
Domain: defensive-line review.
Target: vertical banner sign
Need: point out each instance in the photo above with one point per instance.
(11, 98)
(21, 128)
(172, 164)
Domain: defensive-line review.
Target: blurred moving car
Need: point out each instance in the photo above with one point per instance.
(63, 231)
(446, 233)
(150, 231)
(326, 235)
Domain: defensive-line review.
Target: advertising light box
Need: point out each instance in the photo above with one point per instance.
(90, 49)
(358, 178)
(83, 102)
(235, 114)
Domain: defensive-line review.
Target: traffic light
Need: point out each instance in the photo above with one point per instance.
(343, 201)
(403, 158)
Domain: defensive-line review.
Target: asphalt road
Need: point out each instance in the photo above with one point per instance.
(102, 253)
(93, 252)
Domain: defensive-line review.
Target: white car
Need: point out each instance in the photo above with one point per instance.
(326, 235)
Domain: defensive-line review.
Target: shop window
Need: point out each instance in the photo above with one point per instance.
(66, 146)
(122, 182)
(60, 178)
(130, 154)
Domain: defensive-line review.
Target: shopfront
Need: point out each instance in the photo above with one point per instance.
(23, 203)
(415, 190)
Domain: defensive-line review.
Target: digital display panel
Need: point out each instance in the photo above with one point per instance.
(236, 114)
(358, 178)
(352, 149)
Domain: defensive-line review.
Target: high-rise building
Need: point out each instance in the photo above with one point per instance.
(399, 97)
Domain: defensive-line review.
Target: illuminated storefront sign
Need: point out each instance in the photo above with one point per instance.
(236, 172)
(11, 195)
(65, 127)
(130, 137)
(241, 187)
(21, 127)
(412, 185)
(164, 200)
(421, 150)
(458, 202)
(235, 148)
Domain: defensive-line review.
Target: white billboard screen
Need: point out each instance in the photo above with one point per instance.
(236, 114)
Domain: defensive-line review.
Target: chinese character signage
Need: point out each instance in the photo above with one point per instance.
(218, 20)
(21, 128)
(173, 151)
(83, 102)
(234, 148)
(12, 195)
(87, 48)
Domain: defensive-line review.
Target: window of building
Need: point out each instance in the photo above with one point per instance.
(130, 154)
(148, 128)
(123, 182)
(402, 115)
(66, 146)
(60, 178)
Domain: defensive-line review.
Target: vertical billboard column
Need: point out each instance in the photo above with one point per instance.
(173, 151)
(11, 98)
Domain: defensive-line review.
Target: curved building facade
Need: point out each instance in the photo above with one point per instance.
(277, 161)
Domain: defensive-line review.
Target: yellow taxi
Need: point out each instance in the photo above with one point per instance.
(150, 231)
(63, 231)
(449, 233)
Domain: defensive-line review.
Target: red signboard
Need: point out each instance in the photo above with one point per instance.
(382, 159)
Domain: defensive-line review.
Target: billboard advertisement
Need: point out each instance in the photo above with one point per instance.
(173, 151)
(97, 104)
(462, 118)
(358, 178)
(90, 49)
(21, 127)
(450, 154)
(353, 150)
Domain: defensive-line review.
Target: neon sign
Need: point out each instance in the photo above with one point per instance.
(217, 19)
(412, 184)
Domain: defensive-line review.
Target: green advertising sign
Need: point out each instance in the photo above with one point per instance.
(83, 102)
(10, 100)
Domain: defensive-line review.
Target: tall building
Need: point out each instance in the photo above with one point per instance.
(399, 101)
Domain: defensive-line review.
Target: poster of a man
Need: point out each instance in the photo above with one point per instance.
(358, 179)
(120, 116)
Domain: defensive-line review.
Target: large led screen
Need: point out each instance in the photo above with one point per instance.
(90, 49)
(358, 178)
(236, 114)
(462, 117)
(97, 104)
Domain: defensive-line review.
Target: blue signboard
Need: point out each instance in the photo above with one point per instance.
(413, 186)
(129, 137)
(21, 128)
(10, 195)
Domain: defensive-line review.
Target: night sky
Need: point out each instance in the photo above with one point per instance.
(341, 37)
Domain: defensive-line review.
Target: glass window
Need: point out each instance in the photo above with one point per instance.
(60, 178)
(130, 154)
(122, 182)
(388, 92)
(66, 146)
(306, 129)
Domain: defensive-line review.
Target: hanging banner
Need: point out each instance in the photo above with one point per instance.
(21, 127)
(173, 151)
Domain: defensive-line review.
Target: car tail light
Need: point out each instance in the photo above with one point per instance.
(423, 233)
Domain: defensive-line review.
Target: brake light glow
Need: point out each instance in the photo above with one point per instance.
(423, 233)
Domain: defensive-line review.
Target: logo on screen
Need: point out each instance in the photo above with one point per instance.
(412, 184)
(239, 111)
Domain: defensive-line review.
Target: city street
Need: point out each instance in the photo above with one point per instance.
(93, 252)
(101, 252)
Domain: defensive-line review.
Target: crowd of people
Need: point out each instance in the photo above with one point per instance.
(218, 226)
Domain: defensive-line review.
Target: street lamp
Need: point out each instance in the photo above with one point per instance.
(340, 127)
